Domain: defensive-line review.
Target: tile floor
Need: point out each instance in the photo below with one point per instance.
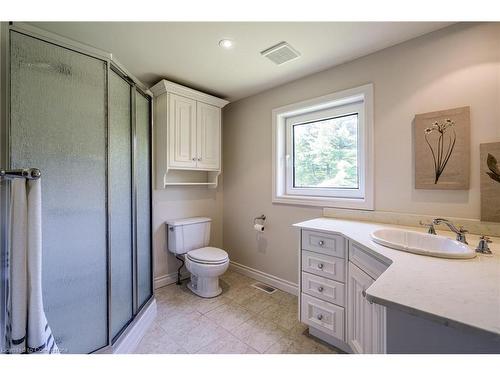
(241, 320)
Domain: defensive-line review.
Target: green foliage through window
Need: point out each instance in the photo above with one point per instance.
(326, 153)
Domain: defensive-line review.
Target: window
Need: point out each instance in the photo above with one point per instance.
(322, 151)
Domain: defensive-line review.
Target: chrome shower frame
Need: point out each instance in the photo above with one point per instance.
(5, 162)
(4, 186)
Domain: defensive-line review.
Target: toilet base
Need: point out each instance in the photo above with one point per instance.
(205, 278)
(205, 293)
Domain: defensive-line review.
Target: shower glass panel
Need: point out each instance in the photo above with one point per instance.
(120, 201)
(143, 183)
(58, 124)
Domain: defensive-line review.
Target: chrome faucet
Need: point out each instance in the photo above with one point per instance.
(460, 232)
(483, 247)
(430, 227)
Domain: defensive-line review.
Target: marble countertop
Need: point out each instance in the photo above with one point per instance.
(461, 293)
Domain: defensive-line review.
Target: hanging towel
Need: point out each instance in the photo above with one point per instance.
(28, 329)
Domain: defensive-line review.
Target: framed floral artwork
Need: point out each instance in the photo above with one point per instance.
(442, 149)
(489, 155)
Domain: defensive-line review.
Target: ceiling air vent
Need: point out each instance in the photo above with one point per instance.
(281, 53)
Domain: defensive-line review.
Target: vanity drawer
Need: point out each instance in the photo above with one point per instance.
(326, 289)
(323, 316)
(367, 262)
(323, 265)
(324, 243)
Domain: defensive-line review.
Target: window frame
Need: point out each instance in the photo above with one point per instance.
(356, 100)
(335, 112)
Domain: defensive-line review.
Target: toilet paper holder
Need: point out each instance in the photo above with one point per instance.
(261, 217)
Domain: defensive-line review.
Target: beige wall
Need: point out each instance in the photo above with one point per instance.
(180, 202)
(453, 67)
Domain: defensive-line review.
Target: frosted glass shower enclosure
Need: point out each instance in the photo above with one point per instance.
(86, 124)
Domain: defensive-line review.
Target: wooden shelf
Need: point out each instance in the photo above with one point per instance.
(179, 177)
(189, 183)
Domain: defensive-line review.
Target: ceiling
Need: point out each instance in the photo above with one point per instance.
(188, 52)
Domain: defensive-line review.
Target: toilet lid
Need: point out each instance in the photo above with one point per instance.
(208, 255)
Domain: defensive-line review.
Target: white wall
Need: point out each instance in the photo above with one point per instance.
(179, 202)
(453, 67)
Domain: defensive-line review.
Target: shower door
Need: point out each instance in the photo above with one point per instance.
(87, 127)
(120, 201)
(143, 176)
(58, 124)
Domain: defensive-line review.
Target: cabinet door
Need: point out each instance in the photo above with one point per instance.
(366, 321)
(182, 132)
(208, 120)
(378, 329)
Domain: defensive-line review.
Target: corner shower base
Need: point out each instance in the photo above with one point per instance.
(130, 339)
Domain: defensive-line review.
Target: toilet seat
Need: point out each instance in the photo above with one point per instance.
(208, 255)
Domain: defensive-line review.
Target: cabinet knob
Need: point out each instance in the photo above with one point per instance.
(320, 266)
(319, 317)
(321, 243)
(194, 159)
(320, 289)
(199, 159)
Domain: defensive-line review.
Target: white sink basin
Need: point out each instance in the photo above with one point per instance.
(422, 243)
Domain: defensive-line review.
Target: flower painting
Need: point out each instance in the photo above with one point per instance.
(489, 155)
(492, 164)
(442, 150)
(442, 145)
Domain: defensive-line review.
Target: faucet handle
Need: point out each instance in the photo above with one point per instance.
(461, 235)
(483, 247)
(431, 229)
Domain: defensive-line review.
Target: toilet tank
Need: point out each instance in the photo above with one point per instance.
(188, 234)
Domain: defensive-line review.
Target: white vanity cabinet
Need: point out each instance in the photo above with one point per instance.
(334, 275)
(366, 320)
(323, 276)
(187, 127)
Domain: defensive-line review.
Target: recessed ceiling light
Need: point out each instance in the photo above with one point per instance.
(226, 43)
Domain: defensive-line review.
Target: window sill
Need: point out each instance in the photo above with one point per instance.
(352, 203)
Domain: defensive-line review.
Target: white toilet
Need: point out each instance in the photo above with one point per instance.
(190, 237)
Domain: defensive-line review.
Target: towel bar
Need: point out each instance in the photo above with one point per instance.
(28, 173)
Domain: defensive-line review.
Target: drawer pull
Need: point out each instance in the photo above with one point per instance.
(321, 243)
(319, 317)
(320, 266)
(320, 289)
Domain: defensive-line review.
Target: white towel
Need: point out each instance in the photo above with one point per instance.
(28, 329)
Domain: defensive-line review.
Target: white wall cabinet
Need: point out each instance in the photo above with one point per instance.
(335, 273)
(208, 136)
(182, 152)
(187, 136)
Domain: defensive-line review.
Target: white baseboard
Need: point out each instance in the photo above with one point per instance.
(130, 339)
(169, 278)
(277, 282)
